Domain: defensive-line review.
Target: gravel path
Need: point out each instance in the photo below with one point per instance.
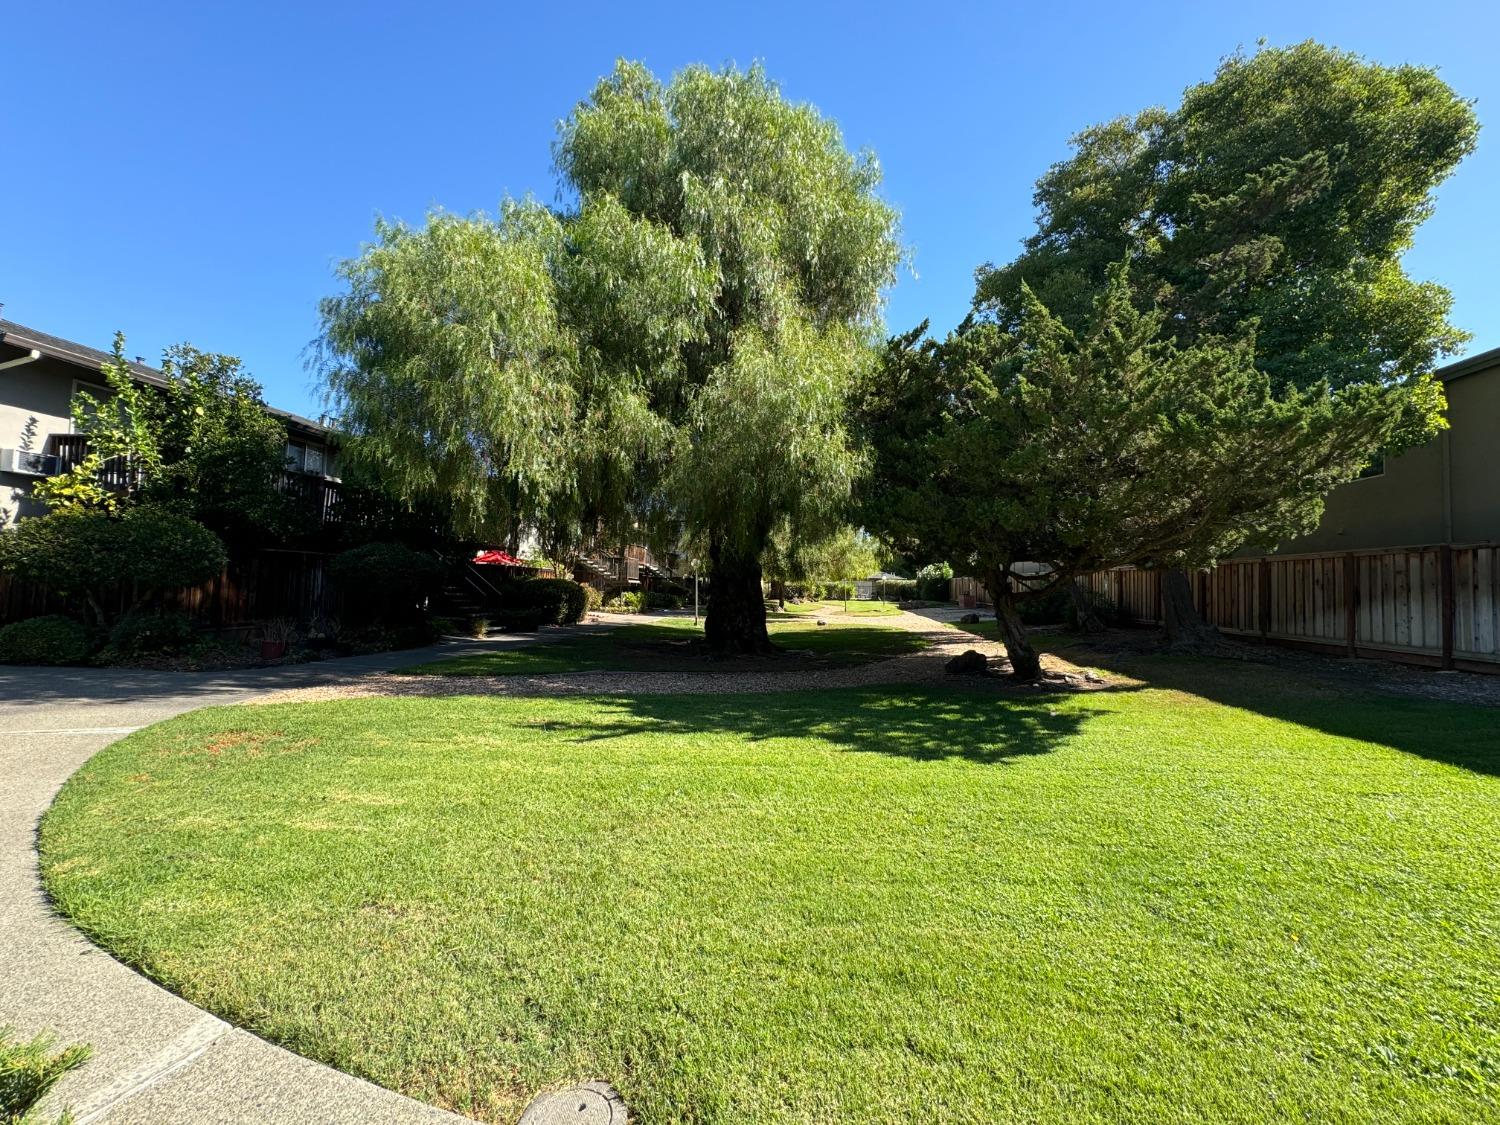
(921, 667)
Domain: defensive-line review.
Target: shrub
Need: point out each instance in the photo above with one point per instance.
(53, 639)
(656, 599)
(935, 583)
(626, 601)
(478, 627)
(1104, 609)
(383, 638)
(85, 552)
(143, 631)
(838, 591)
(523, 619)
(1051, 608)
(560, 601)
(593, 597)
(390, 580)
(162, 550)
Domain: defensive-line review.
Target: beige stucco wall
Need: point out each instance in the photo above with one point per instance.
(33, 403)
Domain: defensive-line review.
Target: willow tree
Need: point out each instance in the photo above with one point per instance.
(675, 348)
(1088, 446)
(1278, 197)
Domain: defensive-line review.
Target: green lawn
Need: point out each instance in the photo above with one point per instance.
(1225, 894)
(830, 609)
(28, 1069)
(665, 645)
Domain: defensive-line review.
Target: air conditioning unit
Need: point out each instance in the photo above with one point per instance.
(29, 464)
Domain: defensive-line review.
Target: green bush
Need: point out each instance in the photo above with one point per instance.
(53, 639)
(559, 601)
(838, 591)
(85, 552)
(593, 597)
(626, 601)
(384, 638)
(935, 583)
(162, 550)
(1051, 608)
(143, 631)
(523, 619)
(388, 581)
(896, 589)
(1104, 609)
(657, 599)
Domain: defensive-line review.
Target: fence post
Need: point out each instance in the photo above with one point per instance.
(1351, 602)
(1264, 609)
(1445, 579)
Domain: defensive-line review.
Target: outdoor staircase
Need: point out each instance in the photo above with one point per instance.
(457, 600)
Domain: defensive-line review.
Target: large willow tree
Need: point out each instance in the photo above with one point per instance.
(675, 348)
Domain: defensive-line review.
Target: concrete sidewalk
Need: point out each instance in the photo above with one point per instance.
(156, 1058)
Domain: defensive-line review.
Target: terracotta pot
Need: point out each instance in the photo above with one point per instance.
(272, 650)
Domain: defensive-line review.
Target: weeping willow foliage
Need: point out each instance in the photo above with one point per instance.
(672, 351)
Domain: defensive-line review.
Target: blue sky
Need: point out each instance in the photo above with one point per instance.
(193, 171)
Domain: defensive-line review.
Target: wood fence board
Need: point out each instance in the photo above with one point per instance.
(1393, 599)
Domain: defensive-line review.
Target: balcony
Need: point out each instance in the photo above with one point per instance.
(70, 449)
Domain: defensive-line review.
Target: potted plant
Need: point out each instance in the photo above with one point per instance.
(276, 634)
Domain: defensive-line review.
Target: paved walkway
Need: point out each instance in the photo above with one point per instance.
(157, 1059)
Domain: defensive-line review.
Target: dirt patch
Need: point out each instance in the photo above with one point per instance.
(743, 675)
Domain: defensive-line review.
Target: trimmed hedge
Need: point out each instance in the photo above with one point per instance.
(556, 601)
(389, 578)
(82, 552)
(52, 639)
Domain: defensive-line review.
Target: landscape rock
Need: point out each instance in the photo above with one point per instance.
(968, 663)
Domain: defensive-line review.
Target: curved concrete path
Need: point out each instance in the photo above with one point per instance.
(157, 1059)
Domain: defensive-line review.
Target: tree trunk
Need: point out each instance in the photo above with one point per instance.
(1024, 662)
(736, 618)
(101, 619)
(1083, 607)
(1185, 627)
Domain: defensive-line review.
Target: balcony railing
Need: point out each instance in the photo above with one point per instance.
(115, 474)
(319, 497)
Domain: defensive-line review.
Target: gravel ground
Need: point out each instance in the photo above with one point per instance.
(913, 668)
(923, 667)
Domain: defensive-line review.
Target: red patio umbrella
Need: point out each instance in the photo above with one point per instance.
(496, 558)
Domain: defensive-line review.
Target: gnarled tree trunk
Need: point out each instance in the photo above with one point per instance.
(1185, 627)
(736, 619)
(1025, 664)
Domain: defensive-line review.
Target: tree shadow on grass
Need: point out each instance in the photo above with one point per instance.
(928, 724)
(1333, 696)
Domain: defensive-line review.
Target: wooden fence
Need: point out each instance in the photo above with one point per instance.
(271, 583)
(1437, 605)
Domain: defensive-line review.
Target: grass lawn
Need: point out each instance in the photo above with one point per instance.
(1224, 894)
(837, 609)
(28, 1069)
(663, 645)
